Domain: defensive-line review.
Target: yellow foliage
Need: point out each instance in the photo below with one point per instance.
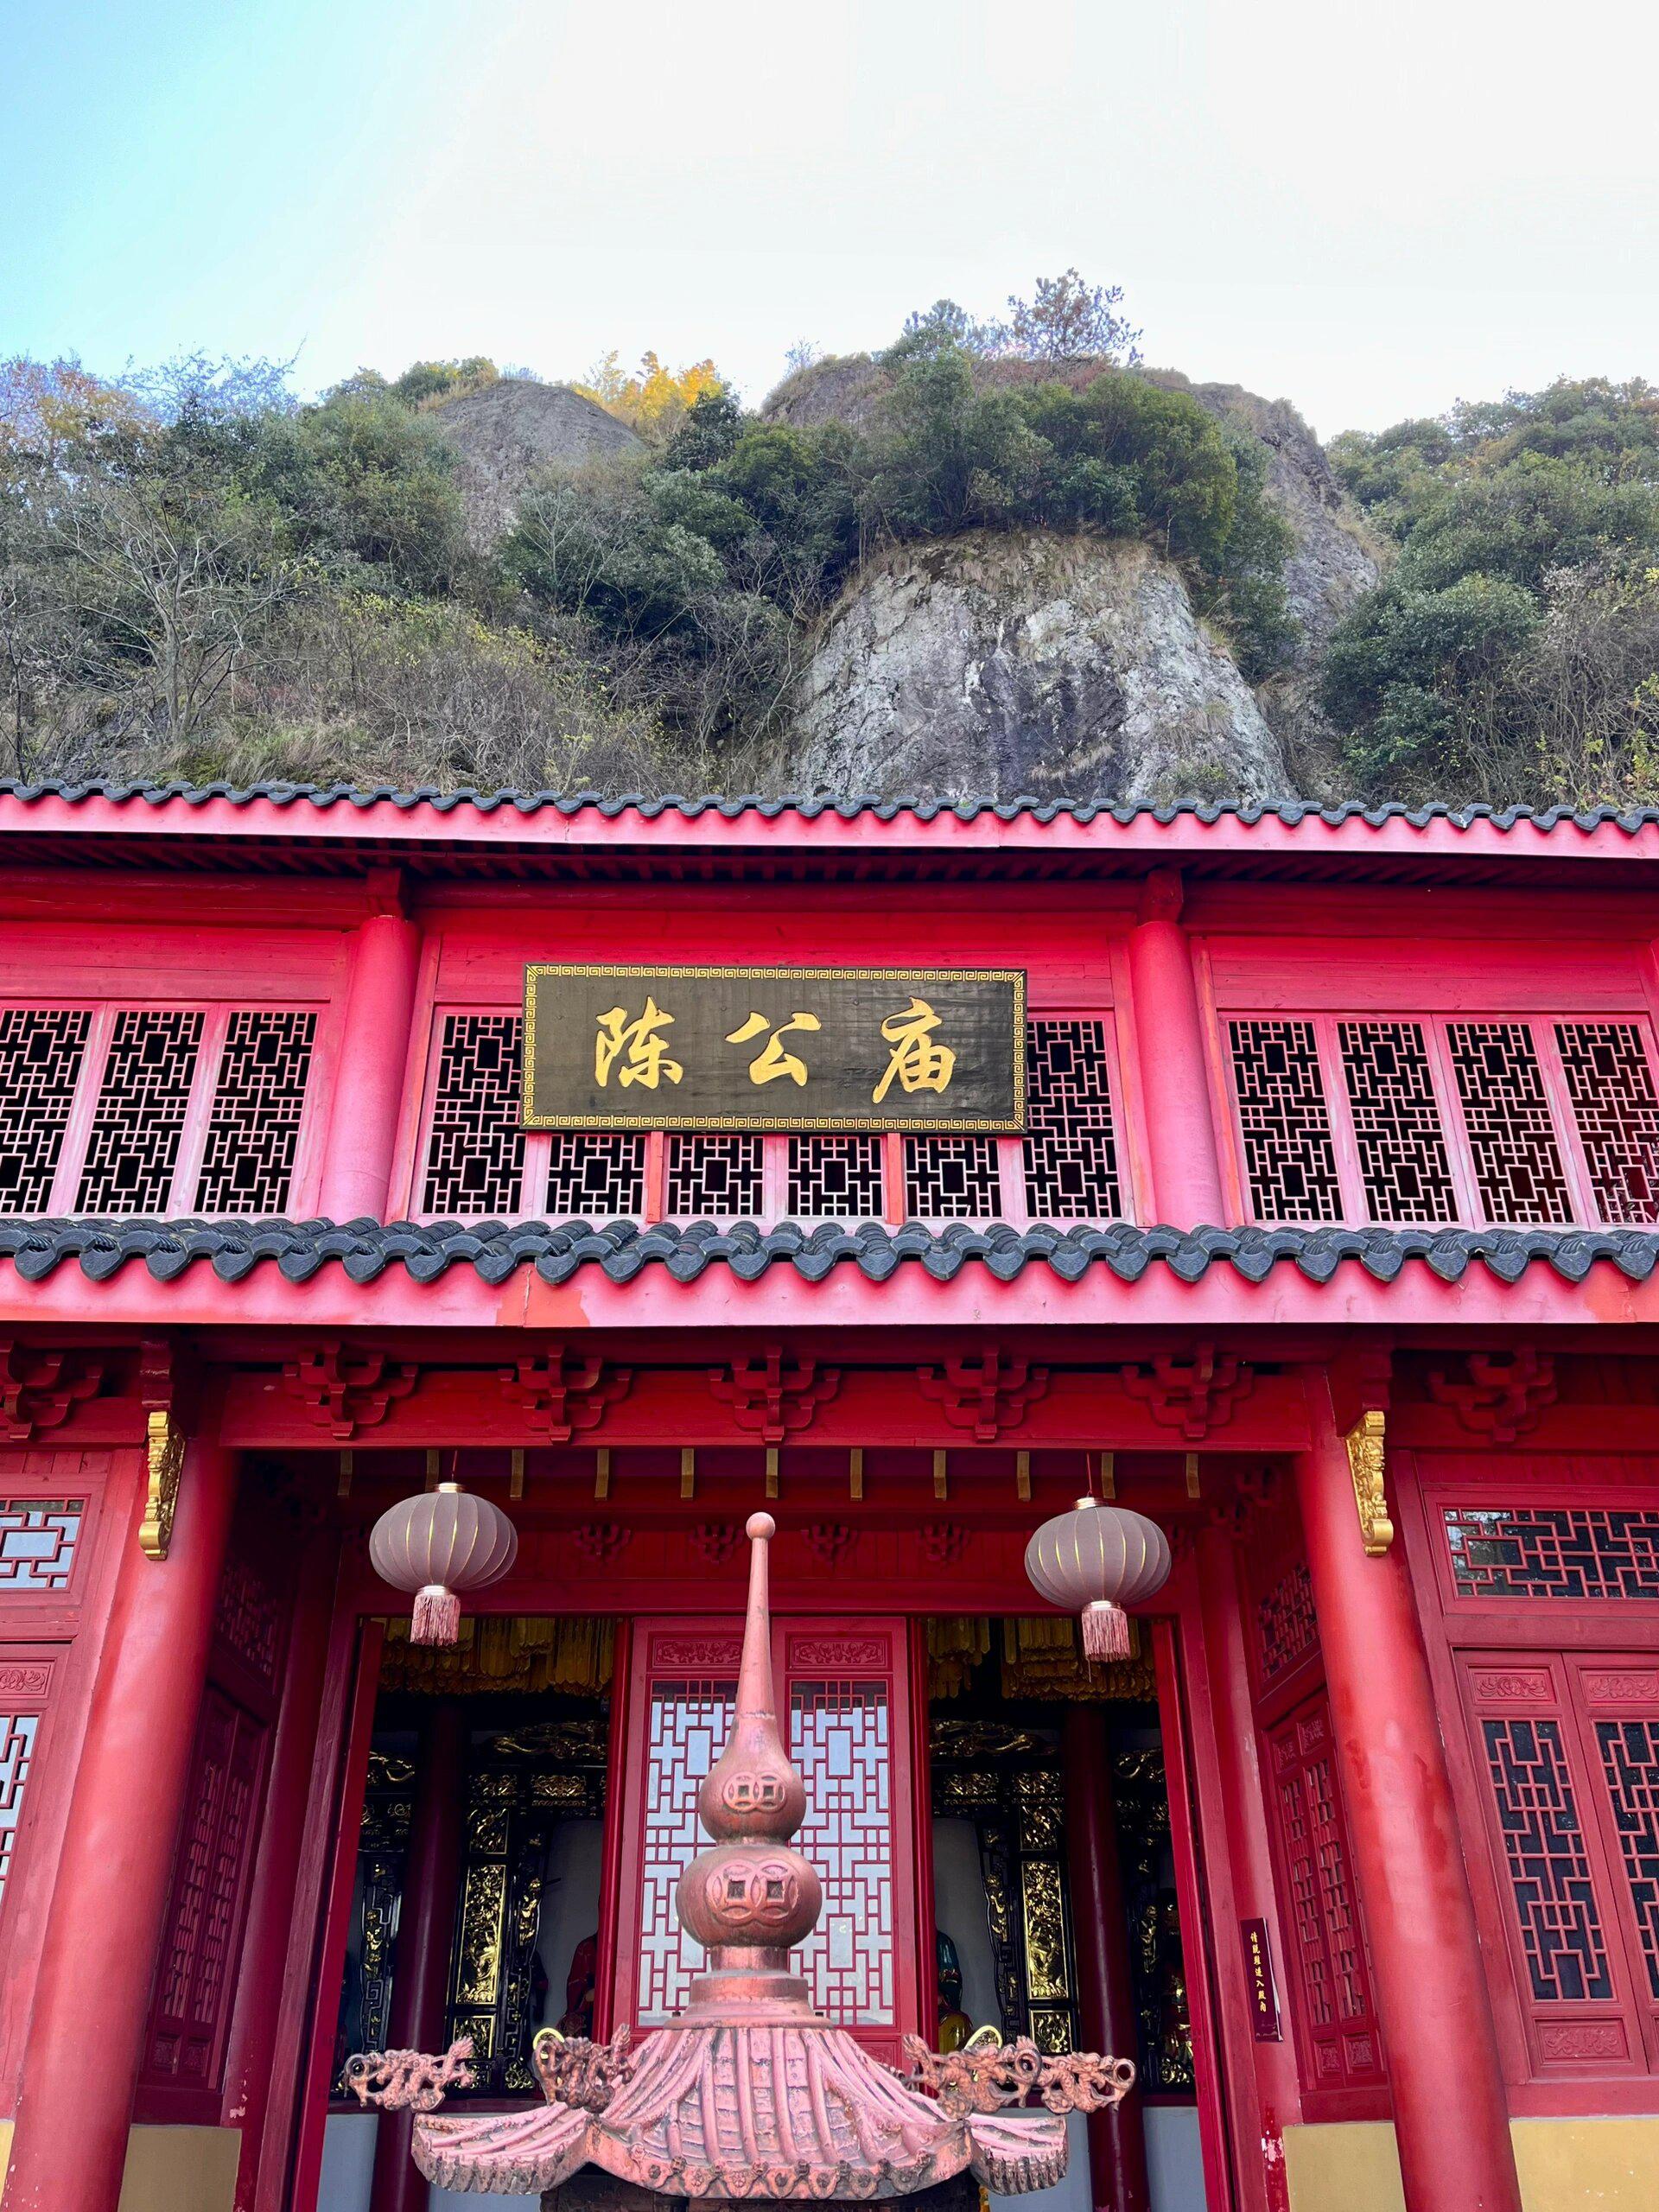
(655, 400)
(46, 406)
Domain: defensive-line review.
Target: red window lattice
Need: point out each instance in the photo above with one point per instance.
(598, 1177)
(1070, 1150)
(1336, 2004)
(1577, 1554)
(203, 1928)
(1286, 1627)
(1611, 1090)
(1630, 1759)
(952, 1178)
(718, 1177)
(38, 1539)
(1396, 1119)
(1548, 1860)
(139, 1121)
(835, 1179)
(476, 1148)
(1289, 1160)
(41, 1057)
(1518, 1169)
(254, 1131)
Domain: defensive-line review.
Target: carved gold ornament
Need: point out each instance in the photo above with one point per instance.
(164, 1448)
(1365, 1458)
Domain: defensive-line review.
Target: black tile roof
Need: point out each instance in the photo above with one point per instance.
(1291, 812)
(558, 1250)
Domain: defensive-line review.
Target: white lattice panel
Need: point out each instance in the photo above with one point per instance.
(835, 1178)
(714, 1176)
(1506, 1112)
(476, 1148)
(952, 1178)
(688, 1724)
(599, 1177)
(841, 1739)
(17, 1733)
(1070, 1152)
(38, 1536)
(1611, 1086)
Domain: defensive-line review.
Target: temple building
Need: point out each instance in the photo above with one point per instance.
(896, 1176)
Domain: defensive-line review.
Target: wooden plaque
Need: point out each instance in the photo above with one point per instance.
(923, 1049)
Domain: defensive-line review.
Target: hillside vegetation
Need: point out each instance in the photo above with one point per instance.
(200, 577)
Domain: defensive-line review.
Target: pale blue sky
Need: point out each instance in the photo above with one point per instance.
(1370, 212)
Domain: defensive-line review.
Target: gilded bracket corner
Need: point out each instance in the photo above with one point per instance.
(1365, 1460)
(164, 1451)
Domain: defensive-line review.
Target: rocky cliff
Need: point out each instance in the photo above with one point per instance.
(995, 664)
(1068, 666)
(504, 434)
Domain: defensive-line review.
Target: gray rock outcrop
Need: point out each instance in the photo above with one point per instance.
(505, 434)
(997, 664)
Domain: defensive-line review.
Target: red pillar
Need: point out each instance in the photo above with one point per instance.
(1175, 1071)
(1117, 2140)
(426, 1924)
(1450, 2119)
(369, 1083)
(98, 1957)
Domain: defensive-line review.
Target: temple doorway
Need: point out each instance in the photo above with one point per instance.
(1022, 1734)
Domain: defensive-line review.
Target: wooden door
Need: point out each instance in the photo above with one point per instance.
(843, 1694)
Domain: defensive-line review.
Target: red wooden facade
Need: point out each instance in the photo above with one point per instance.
(1330, 1117)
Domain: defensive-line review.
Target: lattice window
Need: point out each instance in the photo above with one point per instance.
(1337, 2003)
(203, 1926)
(1610, 1085)
(248, 1165)
(38, 1537)
(952, 1178)
(1396, 1121)
(475, 1150)
(1506, 1111)
(841, 1739)
(687, 1728)
(716, 1176)
(1629, 1760)
(17, 1734)
(1283, 1119)
(1573, 1552)
(41, 1057)
(1070, 1148)
(141, 1112)
(836, 1178)
(1286, 1627)
(597, 1178)
(1549, 1864)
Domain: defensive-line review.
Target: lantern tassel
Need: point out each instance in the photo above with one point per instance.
(438, 1616)
(1105, 1630)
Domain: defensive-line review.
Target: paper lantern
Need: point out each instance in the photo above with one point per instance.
(437, 1545)
(1095, 1561)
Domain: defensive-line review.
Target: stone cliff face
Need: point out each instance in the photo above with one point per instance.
(997, 664)
(1067, 667)
(505, 434)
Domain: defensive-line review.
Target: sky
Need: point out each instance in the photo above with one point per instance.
(1371, 211)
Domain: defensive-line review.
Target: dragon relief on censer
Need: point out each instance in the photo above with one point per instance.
(750, 2093)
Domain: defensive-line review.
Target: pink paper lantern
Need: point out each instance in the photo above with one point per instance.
(1094, 1562)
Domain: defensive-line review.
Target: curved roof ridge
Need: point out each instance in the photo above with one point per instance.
(1289, 813)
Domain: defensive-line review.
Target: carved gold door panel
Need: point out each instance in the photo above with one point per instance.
(843, 1697)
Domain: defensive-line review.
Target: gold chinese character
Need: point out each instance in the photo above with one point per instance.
(774, 1061)
(918, 1063)
(647, 1060)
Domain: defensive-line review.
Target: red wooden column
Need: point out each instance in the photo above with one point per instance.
(1117, 2140)
(426, 1924)
(1449, 2118)
(374, 1053)
(1170, 1050)
(98, 1957)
